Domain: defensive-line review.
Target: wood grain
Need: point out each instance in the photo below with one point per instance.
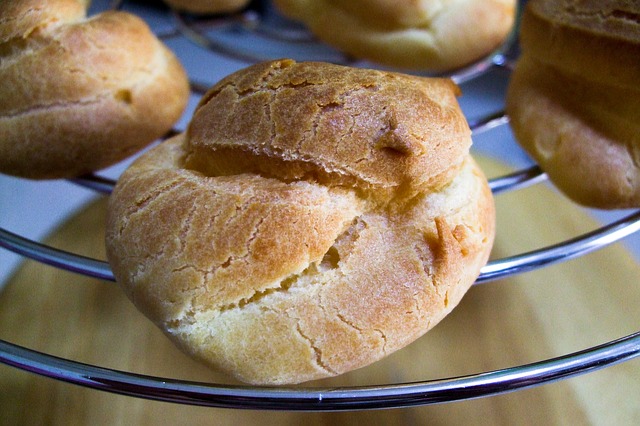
(534, 316)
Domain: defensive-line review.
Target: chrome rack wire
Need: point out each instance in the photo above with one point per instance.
(344, 398)
(324, 399)
(493, 270)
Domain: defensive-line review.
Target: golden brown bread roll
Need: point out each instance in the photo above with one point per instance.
(574, 98)
(422, 35)
(207, 6)
(80, 94)
(313, 219)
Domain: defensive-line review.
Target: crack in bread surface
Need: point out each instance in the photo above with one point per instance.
(626, 15)
(56, 106)
(278, 145)
(340, 274)
(316, 350)
(306, 277)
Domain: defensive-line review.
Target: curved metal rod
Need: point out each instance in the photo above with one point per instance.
(55, 257)
(517, 180)
(496, 58)
(566, 250)
(323, 399)
(495, 269)
(250, 20)
(488, 122)
(199, 87)
(97, 183)
(295, 35)
(502, 61)
(340, 399)
(105, 185)
(229, 51)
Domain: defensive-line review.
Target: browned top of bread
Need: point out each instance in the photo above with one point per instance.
(81, 93)
(426, 35)
(278, 262)
(599, 40)
(337, 123)
(574, 98)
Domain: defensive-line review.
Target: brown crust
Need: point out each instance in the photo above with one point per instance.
(574, 99)
(19, 19)
(109, 89)
(322, 119)
(207, 6)
(276, 280)
(599, 40)
(408, 34)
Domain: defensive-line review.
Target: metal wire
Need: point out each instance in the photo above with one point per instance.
(345, 398)
(495, 269)
(561, 252)
(517, 180)
(323, 399)
(54, 257)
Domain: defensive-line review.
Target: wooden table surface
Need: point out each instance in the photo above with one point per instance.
(530, 317)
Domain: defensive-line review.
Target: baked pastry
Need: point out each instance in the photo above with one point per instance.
(80, 94)
(313, 219)
(574, 98)
(208, 6)
(424, 35)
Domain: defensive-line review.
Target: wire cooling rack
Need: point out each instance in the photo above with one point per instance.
(259, 22)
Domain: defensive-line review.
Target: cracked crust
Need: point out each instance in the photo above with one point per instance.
(81, 94)
(321, 121)
(418, 35)
(579, 122)
(276, 276)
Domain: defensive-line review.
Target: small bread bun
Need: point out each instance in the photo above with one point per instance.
(81, 94)
(313, 219)
(207, 6)
(574, 98)
(413, 35)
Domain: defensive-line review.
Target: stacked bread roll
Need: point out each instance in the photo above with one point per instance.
(423, 35)
(313, 219)
(78, 93)
(574, 98)
(207, 6)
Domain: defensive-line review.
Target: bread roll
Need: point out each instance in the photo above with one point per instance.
(313, 219)
(424, 35)
(574, 98)
(208, 6)
(80, 94)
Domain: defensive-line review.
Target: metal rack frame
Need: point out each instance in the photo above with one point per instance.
(344, 398)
